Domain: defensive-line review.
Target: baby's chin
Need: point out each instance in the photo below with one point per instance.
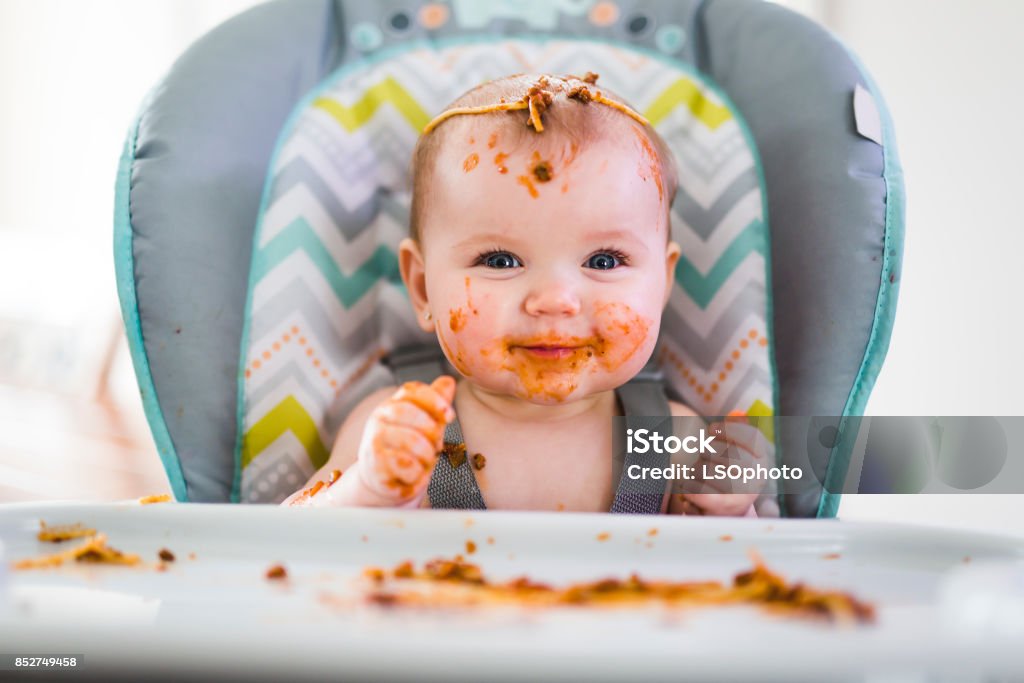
(552, 392)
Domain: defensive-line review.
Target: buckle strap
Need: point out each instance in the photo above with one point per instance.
(421, 363)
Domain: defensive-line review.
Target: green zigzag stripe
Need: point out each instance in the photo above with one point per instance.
(702, 289)
(388, 90)
(288, 415)
(760, 414)
(383, 264)
(686, 92)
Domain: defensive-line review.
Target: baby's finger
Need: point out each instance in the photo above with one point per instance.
(690, 487)
(405, 414)
(724, 504)
(419, 394)
(404, 440)
(445, 387)
(402, 465)
(687, 507)
(733, 455)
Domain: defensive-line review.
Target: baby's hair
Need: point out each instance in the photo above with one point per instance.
(566, 109)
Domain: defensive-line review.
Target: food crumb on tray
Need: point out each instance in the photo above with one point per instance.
(277, 572)
(444, 582)
(63, 532)
(93, 550)
(158, 498)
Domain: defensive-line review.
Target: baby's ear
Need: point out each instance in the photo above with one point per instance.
(671, 259)
(414, 275)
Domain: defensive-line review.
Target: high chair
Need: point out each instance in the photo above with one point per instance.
(264, 187)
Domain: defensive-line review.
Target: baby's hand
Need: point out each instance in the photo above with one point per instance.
(402, 438)
(744, 445)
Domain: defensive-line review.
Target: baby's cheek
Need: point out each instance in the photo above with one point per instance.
(467, 333)
(621, 331)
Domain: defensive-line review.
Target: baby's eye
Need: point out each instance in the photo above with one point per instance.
(498, 259)
(606, 260)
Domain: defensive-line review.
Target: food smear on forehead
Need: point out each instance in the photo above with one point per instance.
(542, 172)
(470, 162)
(528, 184)
(499, 161)
(541, 168)
(568, 157)
(492, 141)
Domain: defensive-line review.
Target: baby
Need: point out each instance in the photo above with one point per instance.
(540, 255)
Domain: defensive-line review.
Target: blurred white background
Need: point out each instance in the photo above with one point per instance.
(73, 72)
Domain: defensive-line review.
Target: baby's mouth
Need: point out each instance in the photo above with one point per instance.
(551, 350)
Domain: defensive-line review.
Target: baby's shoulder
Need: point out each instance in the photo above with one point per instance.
(681, 410)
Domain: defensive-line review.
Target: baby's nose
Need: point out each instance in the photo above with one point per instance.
(552, 298)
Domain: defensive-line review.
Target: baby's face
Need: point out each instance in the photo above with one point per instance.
(549, 290)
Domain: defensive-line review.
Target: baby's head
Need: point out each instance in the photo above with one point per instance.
(540, 249)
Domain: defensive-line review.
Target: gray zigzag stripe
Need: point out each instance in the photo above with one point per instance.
(342, 148)
(462, 74)
(705, 350)
(395, 209)
(296, 298)
(711, 147)
(704, 221)
(354, 157)
(706, 162)
(292, 369)
(299, 172)
(349, 223)
(471, 64)
(753, 375)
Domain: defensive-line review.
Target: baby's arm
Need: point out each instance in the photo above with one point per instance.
(717, 503)
(386, 449)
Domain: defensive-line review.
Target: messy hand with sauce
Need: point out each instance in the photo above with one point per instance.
(738, 442)
(397, 452)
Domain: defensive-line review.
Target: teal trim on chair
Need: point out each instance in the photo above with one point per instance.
(124, 269)
(885, 306)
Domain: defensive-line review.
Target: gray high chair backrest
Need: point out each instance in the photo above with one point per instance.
(210, 168)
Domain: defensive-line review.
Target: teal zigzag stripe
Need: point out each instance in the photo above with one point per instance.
(701, 288)
(348, 288)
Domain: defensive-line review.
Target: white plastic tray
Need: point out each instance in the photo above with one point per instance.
(217, 613)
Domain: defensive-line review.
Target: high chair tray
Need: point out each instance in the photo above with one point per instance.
(944, 602)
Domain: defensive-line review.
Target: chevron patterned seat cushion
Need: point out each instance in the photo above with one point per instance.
(325, 298)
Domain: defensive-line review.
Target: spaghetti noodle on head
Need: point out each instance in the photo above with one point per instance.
(556, 114)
